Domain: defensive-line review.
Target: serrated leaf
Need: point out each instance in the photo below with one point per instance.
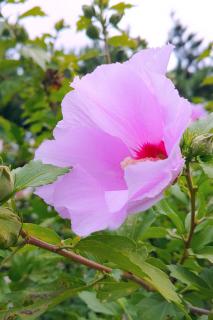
(42, 233)
(36, 174)
(35, 11)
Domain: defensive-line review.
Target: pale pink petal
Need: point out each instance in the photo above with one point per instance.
(137, 206)
(154, 60)
(198, 111)
(116, 202)
(148, 179)
(85, 201)
(117, 100)
(94, 150)
(175, 111)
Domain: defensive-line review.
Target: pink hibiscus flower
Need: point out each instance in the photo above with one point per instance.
(120, 132)
(198, 111)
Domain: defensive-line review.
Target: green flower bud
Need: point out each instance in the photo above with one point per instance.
(89, 11)
(10, 226)
(202, 145)
(115, 19)
(6, 182)
(103, 3)
(92, 32)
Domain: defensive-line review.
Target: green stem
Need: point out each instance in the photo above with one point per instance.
(192, 193)
(105, 35)
(5, 260)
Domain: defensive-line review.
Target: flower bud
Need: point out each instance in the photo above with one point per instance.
(10, 226)
(6, 182)
(202, 145)
(115, 19)
(89, 11)
(92, 32)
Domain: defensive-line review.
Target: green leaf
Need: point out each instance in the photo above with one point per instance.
(33, 311)
(207, 168)
(157, 308)
(159, 280)
(121, 7)
(96, 305)
(208, 81)
(110, 290)
(92, 32)
(35, 174)
(205, 253)
(155, 232)
(190, 279)
(206, 53)
(92, 53)
(42, 233)
(38, 55)
(35, 11)
(115, 249)
(164, 208)
(203, 237)
(141, 223)
(122, 41)
(83, 23)
(122, 253)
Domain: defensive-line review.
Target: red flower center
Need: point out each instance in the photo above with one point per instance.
(151, 151)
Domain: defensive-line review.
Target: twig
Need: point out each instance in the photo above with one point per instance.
(82, 260)
(105, 34)
(198, 311)
(94, 265)
(192, 192)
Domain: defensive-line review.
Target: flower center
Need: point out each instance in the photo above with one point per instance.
(151, 151)
(147, 151)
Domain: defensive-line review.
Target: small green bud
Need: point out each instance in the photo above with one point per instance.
(92, 32)
(103, 3)
(89, 11)
(202, 145)
(115, 19)
(121, 56)
(10, 226)
(6, 182)
(59, 25)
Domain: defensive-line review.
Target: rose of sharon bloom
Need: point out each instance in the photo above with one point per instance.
(198, 111)
(120, 132)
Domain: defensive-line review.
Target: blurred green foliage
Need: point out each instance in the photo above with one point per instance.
(37, 284)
